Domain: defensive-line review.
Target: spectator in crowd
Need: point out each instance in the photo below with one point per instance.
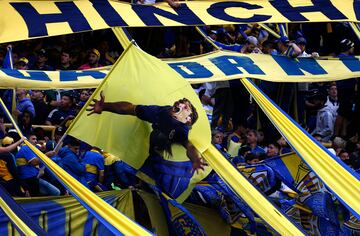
(8, 173)
(27, 162)
(41, 61)
(344, 156)
(252, 143)
(346, 93)
(217, 137)
(273, 150)
(288, 48)
(284, 146)
(332, 99)
(217, 140)
(41, 108)
(22, 64)
(60, 115)
(250, 46)
(105, 57)
(222, 103)
(25, 123)
(71, 162)
(93, 60)
(325, 119)
(252, 159)
(65, 60)
(23, 103)
(84, 96)
(94, 164)
(301, 43)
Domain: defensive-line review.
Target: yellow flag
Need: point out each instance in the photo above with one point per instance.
(139, 78)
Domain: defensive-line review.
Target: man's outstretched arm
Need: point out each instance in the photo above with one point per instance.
(194, 156)
(123, 108)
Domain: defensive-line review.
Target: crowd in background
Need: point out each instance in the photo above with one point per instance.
(328, 111)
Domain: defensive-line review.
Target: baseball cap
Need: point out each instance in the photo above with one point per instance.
(95, 51)
(24, 60)
(7, 141)
(282, 39)
(252, 40)
(43, 52)
(346, 44)
(301, 40)
(213, 32)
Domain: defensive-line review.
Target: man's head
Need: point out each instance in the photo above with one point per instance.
(74, 145)
(66, 101)
(251, 44)
(217, 137)
(21, 94)
(42, 56)
(252, 159)
(26, 118)
(65, 57)
(32, 139)
(93, 57)
(84, 95)
(22, 64)
(344, 155)
(37, 95)
(273, 149)
(347, 47)
(319, 100)
(282, 43)
(185, 112)
(301, 43)
(332, 91)
(252, 137)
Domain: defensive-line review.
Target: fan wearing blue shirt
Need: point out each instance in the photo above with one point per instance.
(172, 122)
(71, 162)
(171, 125)
(251, 142)
(94, 164)
(27, 162)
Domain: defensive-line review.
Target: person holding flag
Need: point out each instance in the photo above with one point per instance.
(171, 125)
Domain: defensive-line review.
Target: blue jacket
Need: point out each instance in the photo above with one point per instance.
(26, 105)
(71, 163)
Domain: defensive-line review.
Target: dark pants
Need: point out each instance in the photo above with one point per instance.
(32, 185)
(223, 107)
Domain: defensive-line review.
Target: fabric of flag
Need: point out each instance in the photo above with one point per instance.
(8, 64)
(8, 60)
(180, 221)
(140, 78)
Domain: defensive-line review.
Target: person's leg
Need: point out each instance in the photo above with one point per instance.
(33, 186)
(48, 189)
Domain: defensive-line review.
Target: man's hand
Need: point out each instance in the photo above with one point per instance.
(198, 164)
(174, 4)
(17, 112)
(97, 106)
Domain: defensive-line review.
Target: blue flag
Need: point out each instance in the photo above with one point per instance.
(8, 60)
(8, 64)
(180, 221)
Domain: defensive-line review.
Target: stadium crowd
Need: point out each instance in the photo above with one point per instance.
(328, 111)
